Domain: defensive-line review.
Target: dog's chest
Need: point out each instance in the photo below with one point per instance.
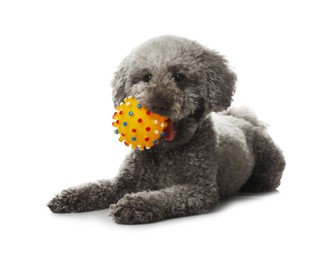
(178, 166)
(188, 163)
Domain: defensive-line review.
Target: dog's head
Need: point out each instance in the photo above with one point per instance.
(178, 78)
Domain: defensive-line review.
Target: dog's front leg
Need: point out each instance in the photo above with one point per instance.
(98, 195)
(87, 197)
(175, 201)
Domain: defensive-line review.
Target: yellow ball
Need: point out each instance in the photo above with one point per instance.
(137, 126)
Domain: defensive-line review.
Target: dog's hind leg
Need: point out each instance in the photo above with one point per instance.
(269, 165)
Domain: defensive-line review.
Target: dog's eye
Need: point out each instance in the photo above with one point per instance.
(146, 78)
(178, 77)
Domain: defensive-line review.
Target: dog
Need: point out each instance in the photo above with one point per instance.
(209, 153)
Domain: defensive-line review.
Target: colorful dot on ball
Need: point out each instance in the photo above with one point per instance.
(125, 123)
(162, 134)
(139, 120)
(116, 131)
(139, 106)
(148, 129)
(130, 113)
(133, 138)
(155, 142)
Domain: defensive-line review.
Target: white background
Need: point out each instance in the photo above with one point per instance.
(56, 63)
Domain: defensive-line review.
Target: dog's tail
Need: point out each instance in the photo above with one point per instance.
(246, 114)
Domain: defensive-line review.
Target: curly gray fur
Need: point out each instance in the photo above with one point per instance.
(213, 155)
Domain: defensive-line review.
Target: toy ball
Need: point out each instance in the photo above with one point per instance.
(137, 126)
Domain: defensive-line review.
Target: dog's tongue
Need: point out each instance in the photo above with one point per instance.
(170, 133)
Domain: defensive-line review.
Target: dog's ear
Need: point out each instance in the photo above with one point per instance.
(119, 82)
(220, 80)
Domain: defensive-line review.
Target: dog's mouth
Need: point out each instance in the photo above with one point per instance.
(170, 132)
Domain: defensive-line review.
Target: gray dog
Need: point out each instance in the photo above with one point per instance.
(207, 155)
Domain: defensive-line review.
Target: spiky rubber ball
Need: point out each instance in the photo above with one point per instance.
(137, 126)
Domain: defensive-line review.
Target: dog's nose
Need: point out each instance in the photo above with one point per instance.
(159, 107)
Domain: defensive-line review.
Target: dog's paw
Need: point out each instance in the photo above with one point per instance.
(78, 199)
(66, 202)
(134, 210)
